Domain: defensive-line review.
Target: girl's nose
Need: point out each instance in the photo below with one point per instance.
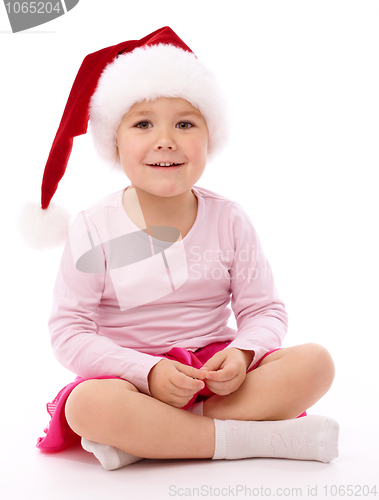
(165, 141)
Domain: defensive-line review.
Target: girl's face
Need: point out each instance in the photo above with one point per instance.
(168, 130)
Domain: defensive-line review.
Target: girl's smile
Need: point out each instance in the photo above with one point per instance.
(166, 166)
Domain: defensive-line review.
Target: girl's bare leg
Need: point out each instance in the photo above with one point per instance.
(285, 384)
(115, 413)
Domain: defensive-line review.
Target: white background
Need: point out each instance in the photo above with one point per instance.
(302, 80)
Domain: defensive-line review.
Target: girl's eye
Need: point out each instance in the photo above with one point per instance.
(143, 125)
(184, 125)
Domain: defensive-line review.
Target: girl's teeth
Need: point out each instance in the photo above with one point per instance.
(164, 164)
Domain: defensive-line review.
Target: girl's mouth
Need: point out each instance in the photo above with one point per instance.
(166, 166)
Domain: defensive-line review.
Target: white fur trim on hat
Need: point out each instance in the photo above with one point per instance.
(146, 74)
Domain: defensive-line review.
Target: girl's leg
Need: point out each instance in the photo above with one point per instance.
(115, 413)
(285, 384)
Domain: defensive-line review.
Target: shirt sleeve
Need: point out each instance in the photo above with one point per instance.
(261, 318)
(73, 324)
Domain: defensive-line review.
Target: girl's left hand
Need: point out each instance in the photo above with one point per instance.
(226, 370)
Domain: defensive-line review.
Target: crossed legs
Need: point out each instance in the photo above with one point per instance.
(114, 412)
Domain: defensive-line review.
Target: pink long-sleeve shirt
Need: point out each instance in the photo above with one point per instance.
(113, 314)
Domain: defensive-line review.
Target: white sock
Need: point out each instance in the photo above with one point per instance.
(307, 438)
(110, 458)
(196, 408)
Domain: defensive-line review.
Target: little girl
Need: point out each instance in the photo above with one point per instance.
(140, 303)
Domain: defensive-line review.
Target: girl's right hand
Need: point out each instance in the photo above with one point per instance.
(174, 383)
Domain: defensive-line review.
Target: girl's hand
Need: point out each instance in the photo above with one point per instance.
(226, 370)
(175, 383)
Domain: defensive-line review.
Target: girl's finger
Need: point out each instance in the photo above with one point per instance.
(182, 381)
(190, 371)
(226, 373)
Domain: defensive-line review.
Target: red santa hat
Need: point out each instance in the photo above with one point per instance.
(107, 85)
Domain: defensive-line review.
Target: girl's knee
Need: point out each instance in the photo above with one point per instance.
(91, 399)
(319, 363)
(78, 400)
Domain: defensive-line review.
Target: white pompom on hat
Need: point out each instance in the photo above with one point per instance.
(107, 85)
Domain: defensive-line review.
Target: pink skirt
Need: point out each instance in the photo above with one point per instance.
(59, 434)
